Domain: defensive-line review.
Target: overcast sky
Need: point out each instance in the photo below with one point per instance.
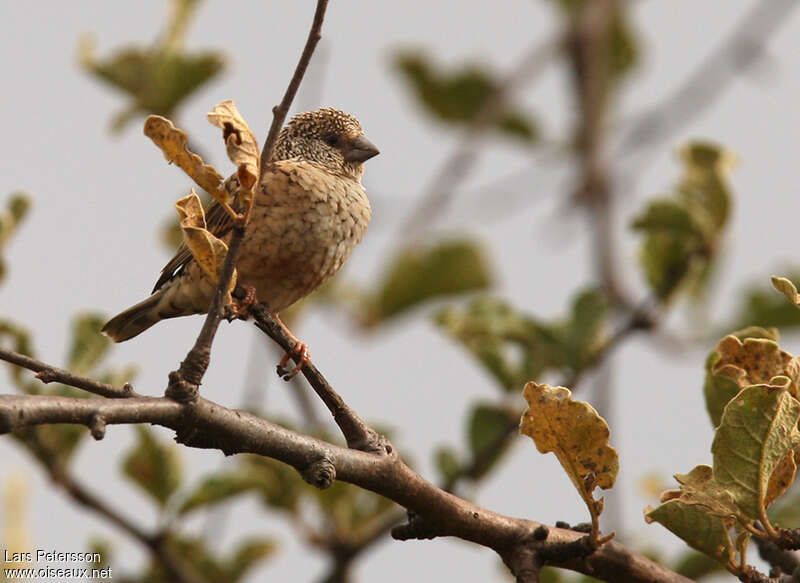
(90, 241)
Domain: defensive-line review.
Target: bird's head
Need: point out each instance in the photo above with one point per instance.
(328, 138)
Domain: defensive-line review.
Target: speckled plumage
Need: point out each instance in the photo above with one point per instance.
(310, 211)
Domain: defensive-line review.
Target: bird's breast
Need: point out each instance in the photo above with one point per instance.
(304, 225)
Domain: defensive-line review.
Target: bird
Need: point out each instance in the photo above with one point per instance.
(309, 212)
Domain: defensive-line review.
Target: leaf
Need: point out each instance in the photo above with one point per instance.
(448, 463)
(240, 142)
(702, 530)
(488, 424)
(757, 431)
(157, 78)
(88, 346)
(218, 488)
(20, 342)
(583, 331)
(764, 307)
(175, 146)
(154, 466)
(247, 555)
(16, 209)
(456, 97)
(683, 232)
(208, 250)
(577, 435)
(747, 357)
(425, 273)
(787, 288)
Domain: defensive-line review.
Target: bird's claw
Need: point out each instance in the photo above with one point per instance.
(244, 298)
(300, 354)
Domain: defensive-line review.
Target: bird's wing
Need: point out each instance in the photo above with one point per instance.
(218, 222)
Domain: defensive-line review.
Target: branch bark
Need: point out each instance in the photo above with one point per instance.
(204, 424)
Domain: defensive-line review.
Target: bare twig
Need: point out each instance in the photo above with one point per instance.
(712, 77)
(279, 111)
(185, 381)
(357, 433)
(48, 374)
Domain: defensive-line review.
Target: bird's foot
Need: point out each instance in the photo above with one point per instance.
(244, 298)
(301, 356)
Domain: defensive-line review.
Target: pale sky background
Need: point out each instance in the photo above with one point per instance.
(90, 242)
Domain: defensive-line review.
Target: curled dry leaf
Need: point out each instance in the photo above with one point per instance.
(174, 144)
(208, 250)
(578, 436)
(754, 361)
(787, 288)
(240, 142)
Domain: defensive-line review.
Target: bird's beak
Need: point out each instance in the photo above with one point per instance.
(361, 150)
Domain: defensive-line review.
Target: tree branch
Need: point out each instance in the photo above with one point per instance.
(280, 111)
(356, 432)
(48, 374)
(205, 424)
(185, 381)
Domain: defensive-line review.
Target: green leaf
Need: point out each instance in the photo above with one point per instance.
(583, 332)
(158, 78)
(422, 274)
(697, 526)
(154, 466)
(695, 565)
(757, 432)
(10, 218)
(762, 306)
(488, 424)
(458, 96)
(682, 233)
(20, 342)
(448, 463)
(247, 555)
(88, 346)
(218, 488)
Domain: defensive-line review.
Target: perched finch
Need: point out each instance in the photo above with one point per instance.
(310, 210)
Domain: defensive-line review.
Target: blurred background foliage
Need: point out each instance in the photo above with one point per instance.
(449, 280)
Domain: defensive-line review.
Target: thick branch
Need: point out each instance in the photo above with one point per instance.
(205, 424)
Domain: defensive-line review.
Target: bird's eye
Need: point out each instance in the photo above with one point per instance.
(332, 140)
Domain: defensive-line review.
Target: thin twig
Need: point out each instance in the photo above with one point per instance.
(48, 374)
(184, 383)
(280, 111)
(357, 433)
(712, 77)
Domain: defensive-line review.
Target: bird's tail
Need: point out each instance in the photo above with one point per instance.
(135, 319)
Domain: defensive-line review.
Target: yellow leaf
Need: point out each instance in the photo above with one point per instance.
(207, 250)
(239, 140)
(578, 436)
(174, 144)
(787, 288)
